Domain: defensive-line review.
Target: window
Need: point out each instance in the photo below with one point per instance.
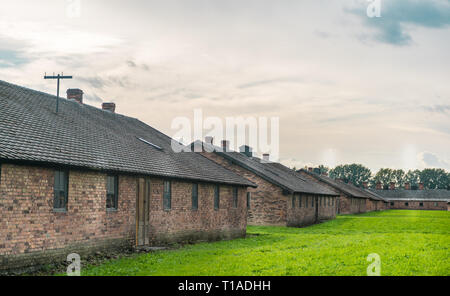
(392, 203)
(306, 201)
(421, 204)
(300, 201)
(320, 201)
(167, 195)
(112, 192)
(406, 204)
(61, 190)
(195, 196)
(435, 204)
(216, 197)
(332, 202)
(293, 201)
(312, 201)
(249, 195)
(235, 197)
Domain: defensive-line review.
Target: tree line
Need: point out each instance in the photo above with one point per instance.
(357, 174)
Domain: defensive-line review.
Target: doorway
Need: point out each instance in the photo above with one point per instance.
(143, 212)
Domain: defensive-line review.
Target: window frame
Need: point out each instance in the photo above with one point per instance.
(293, 201)
(116, 192)
(235, 194)
(216, 197)
(249, 196)
(194, 196)
(167, 195)
(57, 172)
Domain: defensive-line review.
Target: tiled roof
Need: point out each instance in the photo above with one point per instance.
(274, 173)
(83, 136)
(415, 195)
(348, 189)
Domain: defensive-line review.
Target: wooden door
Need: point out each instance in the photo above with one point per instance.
(316, 214)
(143, 212)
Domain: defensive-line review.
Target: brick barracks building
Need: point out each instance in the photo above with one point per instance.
(87, 179)
(282, 196)
(407, 199)
(352, 199)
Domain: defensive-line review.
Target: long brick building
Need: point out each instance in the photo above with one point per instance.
(282, 196)
(407, 199)
(351, 199)
(83, 179)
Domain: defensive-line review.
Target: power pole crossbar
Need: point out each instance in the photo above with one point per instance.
(57, 77)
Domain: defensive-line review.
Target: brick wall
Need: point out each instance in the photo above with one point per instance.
(346, 204)
(415, 205)
(303, 211)
(32, 233)
(268, 204)
(182, 223)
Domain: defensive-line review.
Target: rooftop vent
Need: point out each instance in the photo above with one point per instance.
(226, 145)
(266, 157)
(75, 94)
(111, 107)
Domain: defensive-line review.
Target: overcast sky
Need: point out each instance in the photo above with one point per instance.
(347, 88)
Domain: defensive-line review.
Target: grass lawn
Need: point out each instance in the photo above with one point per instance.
(408, 242)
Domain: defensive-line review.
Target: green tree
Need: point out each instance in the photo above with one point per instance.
(385, 176)
(435, 178)
(355, 173)
(321, 169)
(413, 178)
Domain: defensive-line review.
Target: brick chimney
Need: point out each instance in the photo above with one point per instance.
(266, 157)
(421, 186)
(111, 107)
(209, 140)
(246, 150)
(365, 185)
(392, 186)
(407, 186)
(226, 145)
(310, 170)
(379, 186)
(75, 94)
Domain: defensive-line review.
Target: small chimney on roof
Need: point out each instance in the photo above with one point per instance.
(407, 186)
(310, 170)
(379, 186)
(365, 185)
(421, 186)
(246, 150)
(75, 94)
(392, 186)
(226, 145)
(111, 107)
(266, 157)
(209, 140)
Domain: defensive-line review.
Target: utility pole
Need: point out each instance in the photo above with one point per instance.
(57, 77)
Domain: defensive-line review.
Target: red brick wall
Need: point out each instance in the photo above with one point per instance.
(29, 226)
(415, 205)
(268, 204)
(182, 223)
(346, 204)
(304, 212)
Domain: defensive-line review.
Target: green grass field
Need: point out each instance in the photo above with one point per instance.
(408, 242)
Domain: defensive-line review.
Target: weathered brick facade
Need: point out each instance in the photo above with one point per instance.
(270, 205)
(418, 205)
(32, 233)
(345, 203)
(309, 209)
